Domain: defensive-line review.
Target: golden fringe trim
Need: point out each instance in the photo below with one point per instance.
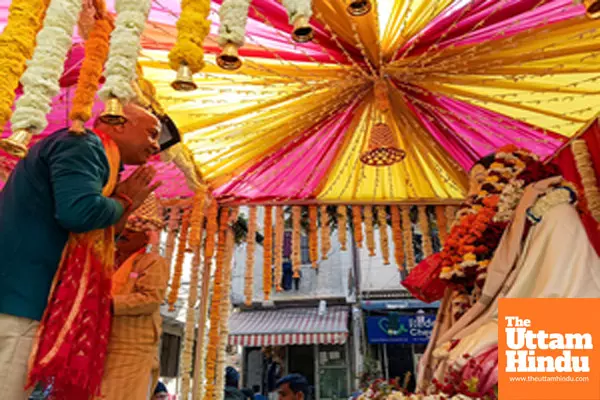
(589, 180)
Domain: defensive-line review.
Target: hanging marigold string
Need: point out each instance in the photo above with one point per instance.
(155, 245)
(268, 253)
(408, 238)
(178, 270)
(225, 308)
(193, 26)
(325, 233)
(174, 217)
(357, 225)
(342, 212)
(442, 223)
(383, 234)
(589, 180)
(425, 231)
(250, 247)
(96, 52)
(313, 240)
(215, 310)
(207, 282)
(450, 216)
(397, 237)
(196, 228)
(17, 42)
(279, 225)
(296, 261)
(369, 230)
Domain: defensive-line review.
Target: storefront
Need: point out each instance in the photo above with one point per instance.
(295, 340)
(398, 332)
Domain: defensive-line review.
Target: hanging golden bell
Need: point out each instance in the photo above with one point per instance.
(592, 8)
(16, 144)
(303, 32)
(184, 81)
(113, 112)
(383, 148)
(77, 127)
(358, 8)
(229, 58)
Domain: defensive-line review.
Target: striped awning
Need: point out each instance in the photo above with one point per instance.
(292, 326)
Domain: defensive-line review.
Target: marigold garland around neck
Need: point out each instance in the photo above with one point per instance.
(41, 79)
(124, 49)
(17, 43)
(71, 345)
(192, 28)
(480, 225)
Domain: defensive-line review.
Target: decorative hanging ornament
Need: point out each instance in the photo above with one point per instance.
(592, 8)
(16, 144)
(303, 32)
(229, 58)
(113, 112)
(383, 148)
(184, 81)
(299, 13)
(358, 8)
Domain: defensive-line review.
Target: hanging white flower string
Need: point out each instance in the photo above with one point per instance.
(233, 16)
(299, 12)
(41, 78)
(125, 47)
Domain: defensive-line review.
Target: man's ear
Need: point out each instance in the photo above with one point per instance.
(300, 395)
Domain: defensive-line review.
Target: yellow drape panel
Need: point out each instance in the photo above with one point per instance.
(403, 19)
(425, 173)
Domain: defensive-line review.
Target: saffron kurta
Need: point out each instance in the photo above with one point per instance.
(136, 330)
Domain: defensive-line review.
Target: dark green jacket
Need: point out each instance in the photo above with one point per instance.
(55, 190)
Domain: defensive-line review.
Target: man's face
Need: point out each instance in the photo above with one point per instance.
(285, 393)
(131, 241)
(138, 138)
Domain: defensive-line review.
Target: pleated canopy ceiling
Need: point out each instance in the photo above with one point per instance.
(463, 78)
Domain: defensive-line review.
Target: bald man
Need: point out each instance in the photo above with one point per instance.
(54, 191)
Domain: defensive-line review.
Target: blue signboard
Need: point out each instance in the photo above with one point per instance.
(400, 329)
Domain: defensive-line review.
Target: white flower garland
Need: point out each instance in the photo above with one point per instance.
(41, 79)
(298, 8)
(233, 16)
(560, 195)
(124, 49)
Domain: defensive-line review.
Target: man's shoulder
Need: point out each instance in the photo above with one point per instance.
(64, 139)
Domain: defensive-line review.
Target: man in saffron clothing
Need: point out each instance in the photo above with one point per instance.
(59, 189)
(138, 289)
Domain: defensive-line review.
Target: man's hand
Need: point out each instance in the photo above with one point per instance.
(138, 186)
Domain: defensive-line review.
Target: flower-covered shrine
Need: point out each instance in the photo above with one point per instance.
(334, 115)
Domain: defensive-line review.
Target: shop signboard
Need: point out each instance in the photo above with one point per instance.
(396, 328)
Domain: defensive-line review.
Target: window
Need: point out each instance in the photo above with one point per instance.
(333, 372)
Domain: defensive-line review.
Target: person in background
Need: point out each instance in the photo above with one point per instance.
(257, 393)
(160, 392)
(232, 383)
(67, 184)
(293, 387)
(138, 289)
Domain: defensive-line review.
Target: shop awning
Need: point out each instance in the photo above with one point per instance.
(292, 326)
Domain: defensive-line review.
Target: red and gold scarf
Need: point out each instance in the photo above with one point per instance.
(71, 343)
